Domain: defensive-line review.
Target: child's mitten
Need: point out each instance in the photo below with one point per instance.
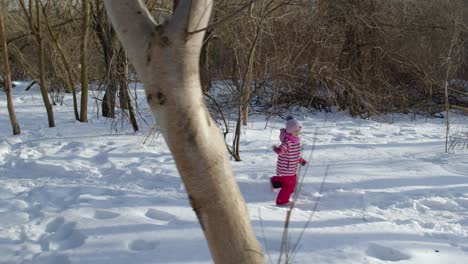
(277, 149)
(303, 162)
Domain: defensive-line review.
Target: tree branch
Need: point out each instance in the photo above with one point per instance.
(459, 107)
(210, 27)
(458, 92)
(134, 26)
(32, 33)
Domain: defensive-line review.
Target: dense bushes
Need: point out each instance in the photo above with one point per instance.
(364, 56)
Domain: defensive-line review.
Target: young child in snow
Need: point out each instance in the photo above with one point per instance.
(289, 158)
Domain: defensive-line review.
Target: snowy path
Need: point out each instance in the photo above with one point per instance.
(78, 193)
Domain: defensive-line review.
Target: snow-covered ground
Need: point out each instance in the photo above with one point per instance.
(81, 193)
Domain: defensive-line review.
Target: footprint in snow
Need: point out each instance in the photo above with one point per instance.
(51, 259)
(101, 214)
(440, 203)
(142, 245)
(61, 235)
(386, 253)
(55, 224)
(159, 215)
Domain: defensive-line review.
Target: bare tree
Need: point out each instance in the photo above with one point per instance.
(65, 61)
(11, 110)
(167, 57)
(84, 62)
(245, 83)
(36, 28)
(124, 90)
(115, 77)
(106, 38)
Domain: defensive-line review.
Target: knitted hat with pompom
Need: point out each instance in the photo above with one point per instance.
(292, 124)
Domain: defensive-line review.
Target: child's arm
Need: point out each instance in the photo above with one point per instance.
(283, 148)
(302, 161)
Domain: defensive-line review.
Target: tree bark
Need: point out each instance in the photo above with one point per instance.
(131, 112)
(11, 110)
(108, 100)
(167, 59)
(121, 66)
(84, 63)
(126, 97)
(237, 133)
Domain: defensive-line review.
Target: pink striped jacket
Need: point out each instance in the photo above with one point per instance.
(289, 154)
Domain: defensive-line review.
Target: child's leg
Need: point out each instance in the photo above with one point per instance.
(275, 182)
(288, 184)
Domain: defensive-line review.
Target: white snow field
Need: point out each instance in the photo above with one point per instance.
(82, 193)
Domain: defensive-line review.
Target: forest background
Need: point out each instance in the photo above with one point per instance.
(365, 57)
(259, 59)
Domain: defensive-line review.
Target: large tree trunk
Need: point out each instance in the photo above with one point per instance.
(167, 59)
(11, 110)
(84, 63)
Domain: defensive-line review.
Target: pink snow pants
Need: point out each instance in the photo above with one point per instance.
(288, 184)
